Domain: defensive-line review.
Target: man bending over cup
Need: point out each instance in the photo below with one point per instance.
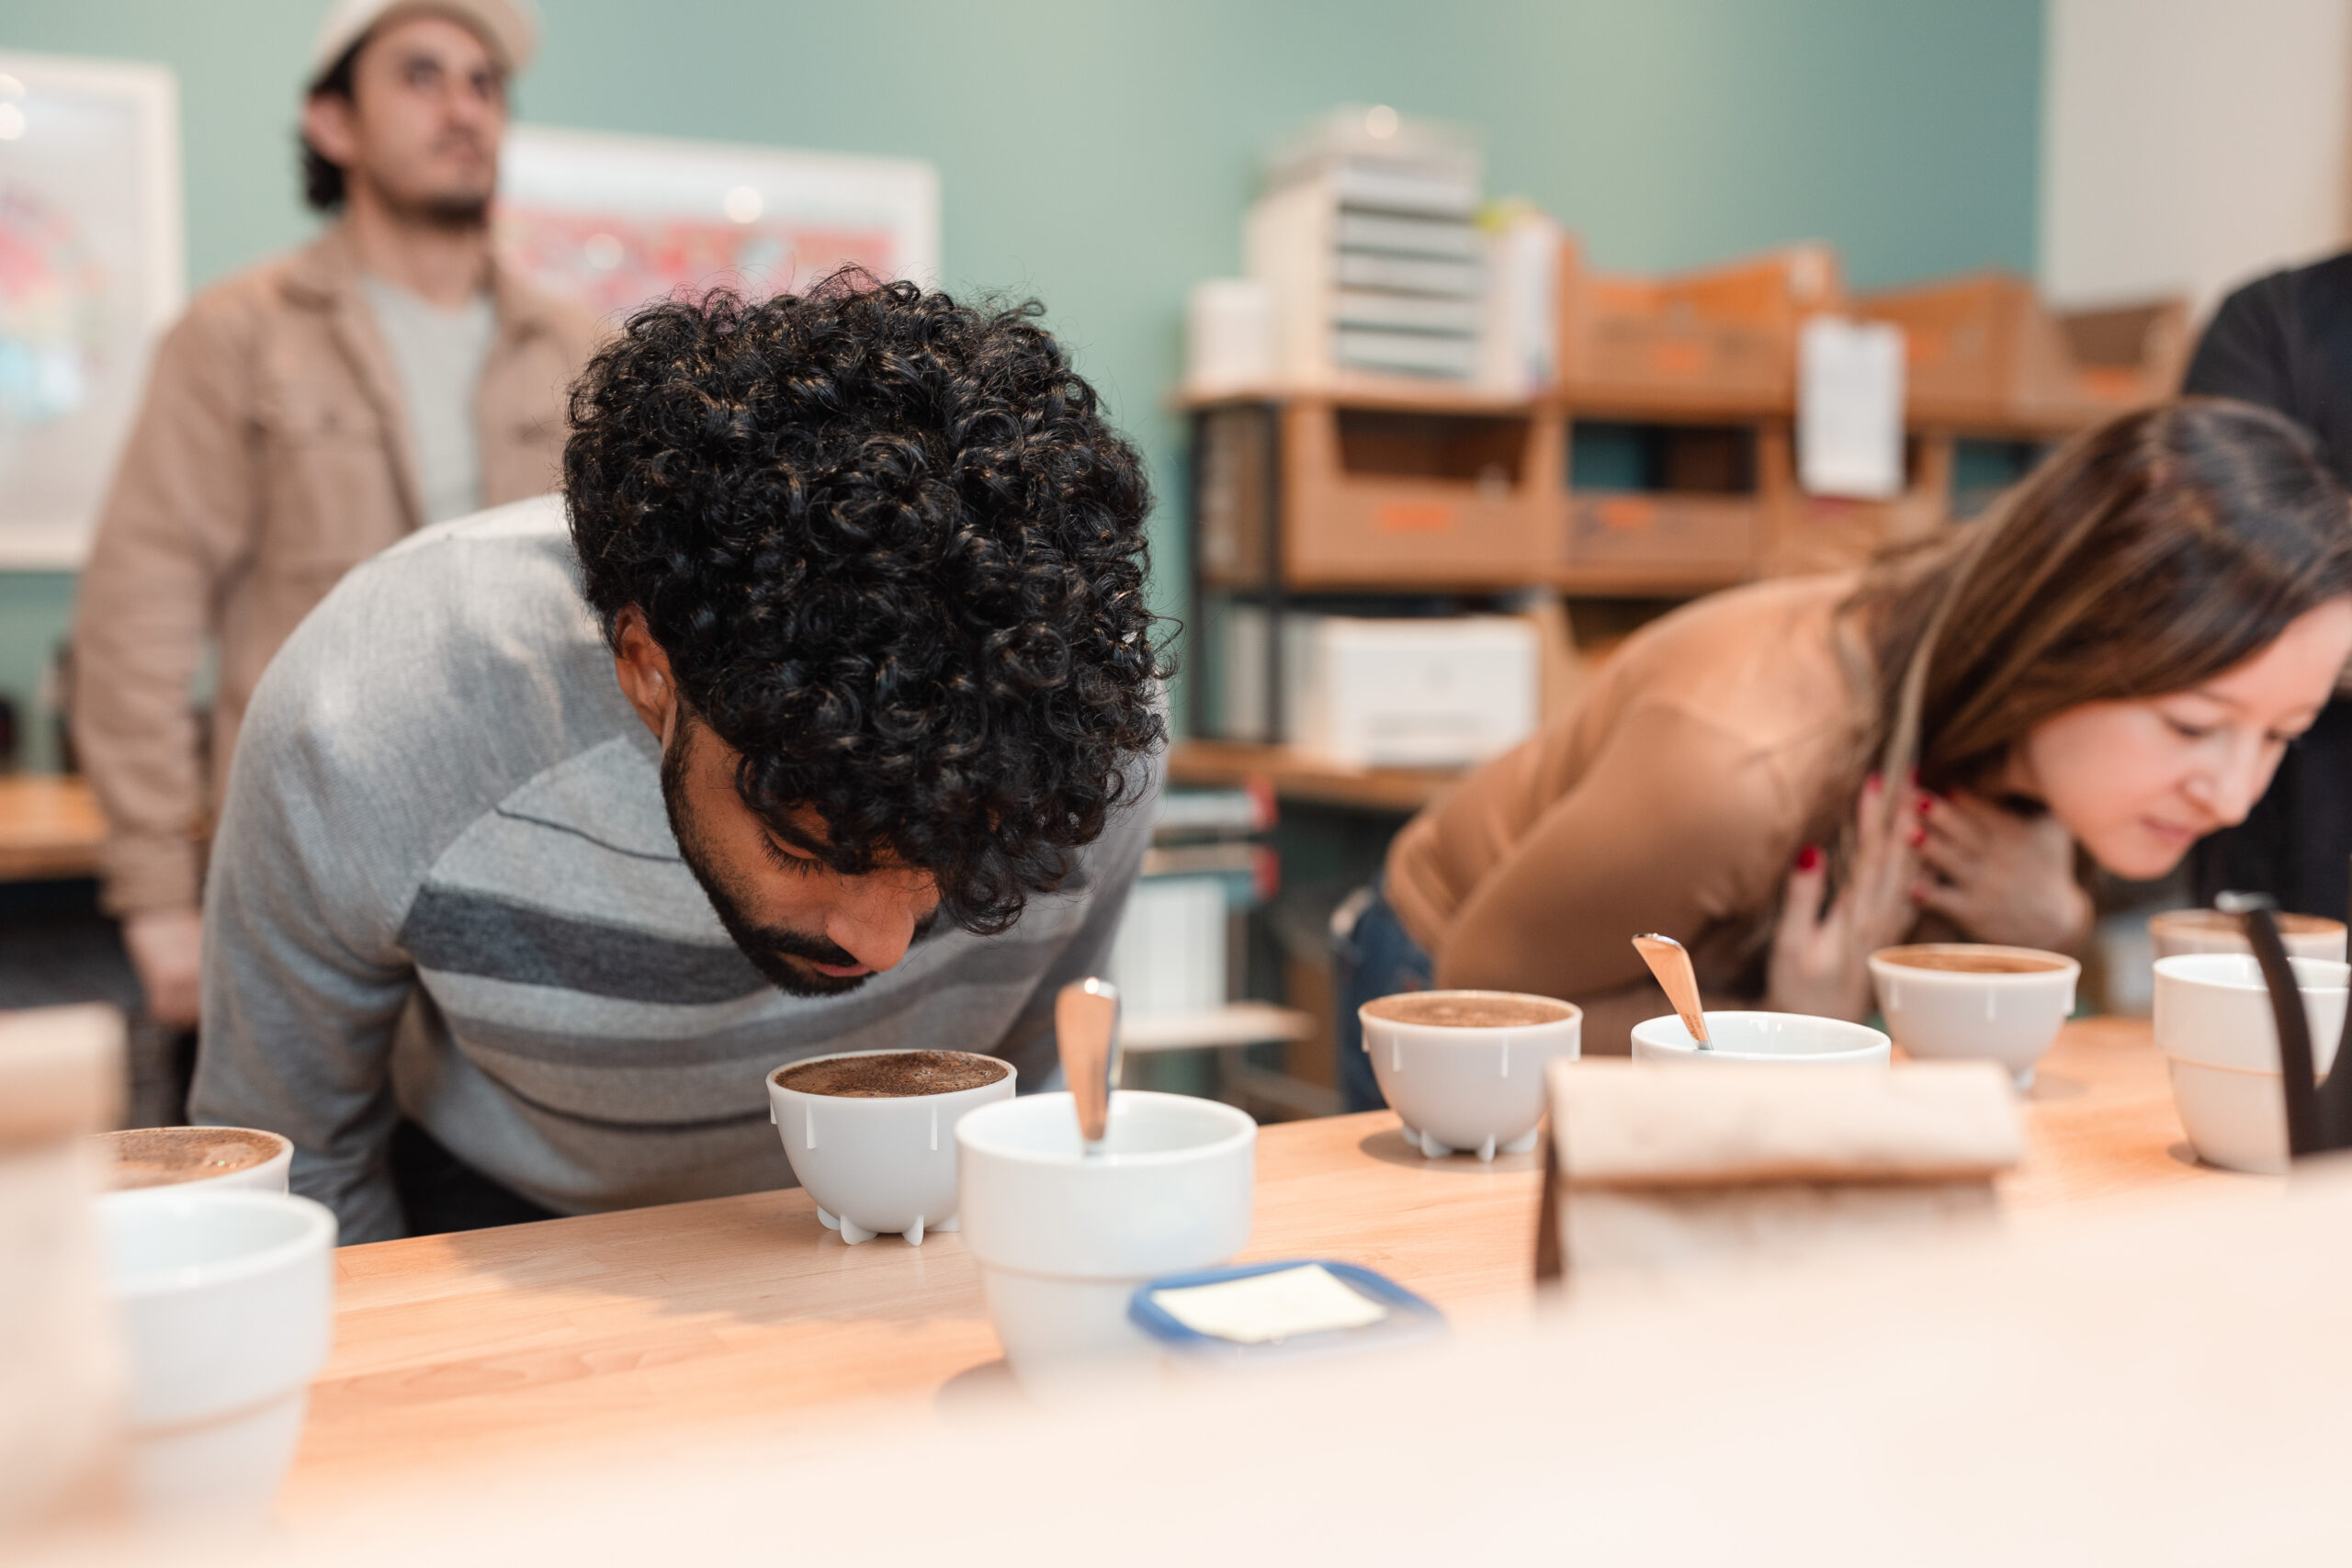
(829, 722)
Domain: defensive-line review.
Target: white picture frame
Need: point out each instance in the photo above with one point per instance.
(92, 269)
(619, 221)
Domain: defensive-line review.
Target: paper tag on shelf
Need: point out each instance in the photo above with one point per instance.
(1850, 408)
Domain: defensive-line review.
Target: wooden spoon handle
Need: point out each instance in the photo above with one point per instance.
(1670, 962)
(1086, 1030)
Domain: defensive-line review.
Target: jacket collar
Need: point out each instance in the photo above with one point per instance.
(325, 273)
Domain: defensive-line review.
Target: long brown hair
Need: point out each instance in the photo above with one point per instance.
(2147, 554)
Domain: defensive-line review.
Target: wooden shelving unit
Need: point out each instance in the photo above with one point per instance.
(1662, 468)
(1303, 777)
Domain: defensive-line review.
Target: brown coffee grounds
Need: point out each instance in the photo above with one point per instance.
(2214, 920)
(1961, 961)
(158, 1157)
(892, 1074)
(1467, 1010)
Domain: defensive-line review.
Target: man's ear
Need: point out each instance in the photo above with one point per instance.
(643, 670)
(327, 125)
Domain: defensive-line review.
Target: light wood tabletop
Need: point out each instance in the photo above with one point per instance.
(49, 826)
(473, 1350)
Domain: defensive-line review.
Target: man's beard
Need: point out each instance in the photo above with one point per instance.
(454, 212)
(770, 949)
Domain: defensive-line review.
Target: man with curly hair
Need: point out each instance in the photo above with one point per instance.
(500, 935)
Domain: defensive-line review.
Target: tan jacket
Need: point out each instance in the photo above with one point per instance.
(272, 454)
(1672, 798)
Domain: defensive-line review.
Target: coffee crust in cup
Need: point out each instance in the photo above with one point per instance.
(1961, 959)
(2214, 920)
(893, 1075)
(1469, 1009)
(164, 1157)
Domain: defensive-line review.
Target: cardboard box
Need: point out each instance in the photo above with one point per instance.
(1724, 338)
(1374, 495)
(1982, 349)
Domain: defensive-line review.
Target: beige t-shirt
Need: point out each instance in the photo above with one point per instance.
(1672, 798)
(439, 354)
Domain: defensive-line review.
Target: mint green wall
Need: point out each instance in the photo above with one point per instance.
(1098, 153)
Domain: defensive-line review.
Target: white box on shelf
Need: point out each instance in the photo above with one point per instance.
(1366, 241)
(1434, 691)
(1170, 955)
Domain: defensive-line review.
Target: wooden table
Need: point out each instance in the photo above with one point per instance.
(474, 1349)
(49, 826)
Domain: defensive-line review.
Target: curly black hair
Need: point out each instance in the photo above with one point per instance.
(895, 557)
(323, 186)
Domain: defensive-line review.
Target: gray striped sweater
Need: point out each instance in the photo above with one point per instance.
(444, 885)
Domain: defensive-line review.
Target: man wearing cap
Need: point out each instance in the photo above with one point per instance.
(302, 416)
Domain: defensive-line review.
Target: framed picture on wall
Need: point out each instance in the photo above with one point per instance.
(619, 220)
(91, 272)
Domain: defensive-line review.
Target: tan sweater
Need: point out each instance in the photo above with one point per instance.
(1671, 798)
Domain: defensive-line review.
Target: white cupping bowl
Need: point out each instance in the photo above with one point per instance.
(883, 1166)
(1773, 1037)
(2221, 1046)
(1063, 1239)
(227, 1299)
(2010, 1017)
(1477, 1090)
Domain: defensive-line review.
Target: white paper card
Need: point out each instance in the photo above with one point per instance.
(1261, 1308)
(1850, 408)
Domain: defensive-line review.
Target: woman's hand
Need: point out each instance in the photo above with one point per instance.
(1999, 877)
(1820, 956)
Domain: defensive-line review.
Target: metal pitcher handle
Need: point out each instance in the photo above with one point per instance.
(2256, 913)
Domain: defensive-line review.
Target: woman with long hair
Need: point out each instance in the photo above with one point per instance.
(1788, 775)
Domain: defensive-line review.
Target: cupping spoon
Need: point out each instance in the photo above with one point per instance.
(1086, 1029)
(1670, 962)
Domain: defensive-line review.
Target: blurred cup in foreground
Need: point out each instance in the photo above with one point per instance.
(2177, 931)
(226, 1301)
(1971, 999)
(1063, 1239)
(2221, 1044)
(1465, 1069)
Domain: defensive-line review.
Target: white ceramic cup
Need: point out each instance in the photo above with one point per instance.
(879, 1166)
(2178, 931)
(269, 1175)
(2221, 1044)
(1063, 1239)
(1774, 1037)
(227, 1299)
(1472, 1087)
(2010, 1017)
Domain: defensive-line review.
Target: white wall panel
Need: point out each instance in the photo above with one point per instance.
(2191, 144)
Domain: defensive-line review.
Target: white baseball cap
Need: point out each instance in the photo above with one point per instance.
(509, 27)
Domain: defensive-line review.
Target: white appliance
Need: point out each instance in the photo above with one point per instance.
(1437, 691)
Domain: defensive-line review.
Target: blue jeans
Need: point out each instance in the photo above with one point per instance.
(1373, 959)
